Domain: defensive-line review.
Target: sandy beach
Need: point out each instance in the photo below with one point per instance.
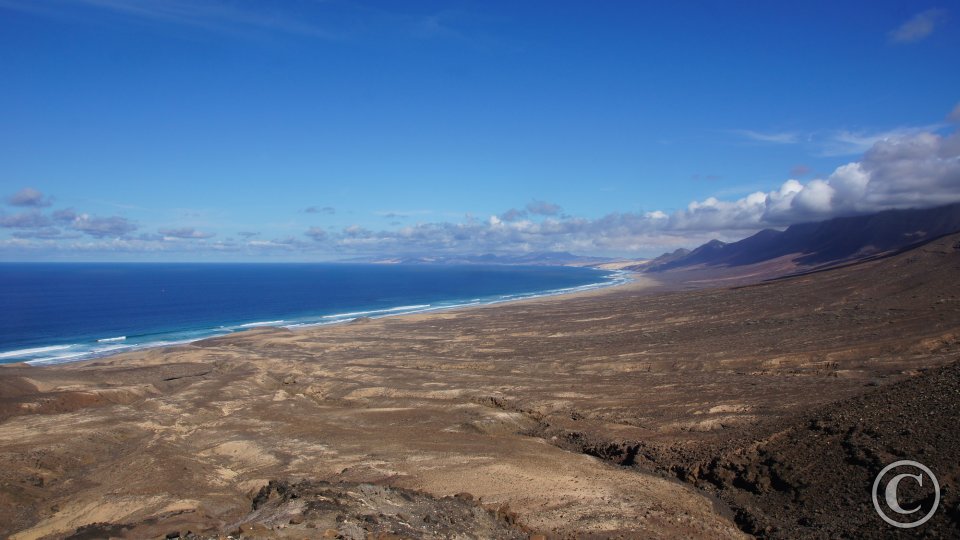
(632, 411)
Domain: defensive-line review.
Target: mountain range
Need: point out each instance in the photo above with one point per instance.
(819, 244)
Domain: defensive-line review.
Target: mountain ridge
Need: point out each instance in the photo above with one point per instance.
(821, 243)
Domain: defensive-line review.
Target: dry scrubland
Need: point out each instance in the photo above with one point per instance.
(640, 411)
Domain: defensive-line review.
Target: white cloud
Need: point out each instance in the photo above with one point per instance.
(815, 198)
(29, 197)
(920, 170)
(543, 208)
(102, 227)
(918, 27)
(903, 170)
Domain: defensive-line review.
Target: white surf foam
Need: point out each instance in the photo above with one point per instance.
(38, 355)
(374, 311)
(34, 351)
(262, 323)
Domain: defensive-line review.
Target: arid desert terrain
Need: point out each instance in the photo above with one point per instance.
(650, 410)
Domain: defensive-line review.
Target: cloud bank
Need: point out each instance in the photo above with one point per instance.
(906, 169)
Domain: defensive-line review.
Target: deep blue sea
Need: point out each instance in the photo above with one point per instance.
(61, 312)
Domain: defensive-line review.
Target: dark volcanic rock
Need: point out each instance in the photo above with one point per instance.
(814, 477)
(367, 510)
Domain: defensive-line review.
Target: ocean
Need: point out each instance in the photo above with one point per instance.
(62, 312)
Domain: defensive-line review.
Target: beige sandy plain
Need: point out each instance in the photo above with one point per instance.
(484, 400)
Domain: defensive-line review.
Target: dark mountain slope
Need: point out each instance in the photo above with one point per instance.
(825, 242)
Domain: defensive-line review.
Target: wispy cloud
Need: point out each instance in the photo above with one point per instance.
(45, 233)
(214, 15)
(335, 21)
(785, 137)
(838, 142)
(954, 115)
(918, 27)
(329, 210)
(402, 214)
(185, 233)
(848, 143)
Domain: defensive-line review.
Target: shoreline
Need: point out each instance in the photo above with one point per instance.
(114, 346)
(622, 411)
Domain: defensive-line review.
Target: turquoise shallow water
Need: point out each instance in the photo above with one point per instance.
(66, 312)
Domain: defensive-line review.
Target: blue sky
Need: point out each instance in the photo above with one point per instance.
(311, 130)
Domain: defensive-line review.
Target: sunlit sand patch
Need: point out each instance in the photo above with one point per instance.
(75, 515)
(380, 391)
(243, 455)
(728, 408)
